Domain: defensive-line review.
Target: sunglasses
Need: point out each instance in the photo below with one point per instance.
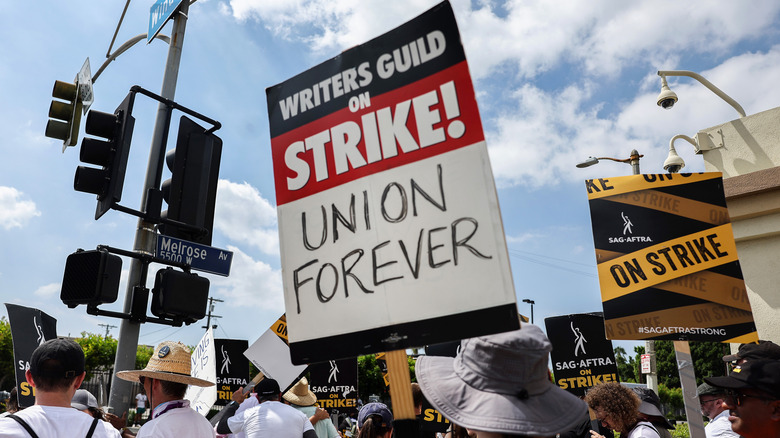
(704, 402)
(735, 398)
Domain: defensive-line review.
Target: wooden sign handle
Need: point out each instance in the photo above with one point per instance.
(400, 385)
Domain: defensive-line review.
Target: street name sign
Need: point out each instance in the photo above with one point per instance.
(200, 257)
(159, 14)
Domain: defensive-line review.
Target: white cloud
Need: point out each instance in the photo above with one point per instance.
(15, 212)
(251, 284)
(243, 215)
(48, 291)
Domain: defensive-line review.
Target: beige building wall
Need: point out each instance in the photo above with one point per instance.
(747, 152)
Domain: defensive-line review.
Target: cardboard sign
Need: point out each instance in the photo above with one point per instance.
(389, 225)
(582, 357)
(232, 368)
(335, 383)
(29, 329)
(203, 366)
(271, 355)
(667, 260)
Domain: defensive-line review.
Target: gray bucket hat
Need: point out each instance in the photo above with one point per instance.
(500, 383)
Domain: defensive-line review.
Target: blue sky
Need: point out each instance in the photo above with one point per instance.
(556, 82)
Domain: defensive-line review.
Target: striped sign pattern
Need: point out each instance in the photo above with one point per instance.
(667, 261)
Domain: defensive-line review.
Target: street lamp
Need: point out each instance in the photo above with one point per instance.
(633, 160)
(531, 302)
(668, 98)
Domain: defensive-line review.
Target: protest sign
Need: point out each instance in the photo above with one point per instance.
(667, 261)
(335, 383)
(203, 366)
(29, 329)
(582, 357)
(389, 225)
(271, 355)
(232, 368)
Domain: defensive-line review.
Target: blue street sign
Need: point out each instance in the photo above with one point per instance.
(159, 14)
(200, 257)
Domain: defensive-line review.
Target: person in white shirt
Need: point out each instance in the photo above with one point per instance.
(165, 380)
(56, 372)
(270, 418)
(711, 401)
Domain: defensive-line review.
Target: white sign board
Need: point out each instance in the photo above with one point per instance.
(203, 366)
(271, 355)
(645, 358)
(390, 230)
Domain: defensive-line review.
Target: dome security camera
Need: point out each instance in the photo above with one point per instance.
(674, 163)
(667, 98)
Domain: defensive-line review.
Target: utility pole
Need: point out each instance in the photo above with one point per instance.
(108, 327)
(137, 296)
(209, 315)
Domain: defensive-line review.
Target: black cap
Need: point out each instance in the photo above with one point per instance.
(651, 405)
(760, 374)
(761, 350)
(57, 358)
(267, 387)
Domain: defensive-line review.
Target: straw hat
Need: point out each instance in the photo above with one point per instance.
(170, 361)
(300, 394)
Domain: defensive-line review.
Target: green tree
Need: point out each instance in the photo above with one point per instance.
(370, 380)
(639, 350)
(7, 372)
(707, 361)
(142, 355)
(99, 352)
(625, 365)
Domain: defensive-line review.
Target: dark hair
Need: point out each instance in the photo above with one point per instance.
(458, 431)
(373, 429)
(47, 380)
(173, 389)
(96, 413)
(13, 401)
(417, 395)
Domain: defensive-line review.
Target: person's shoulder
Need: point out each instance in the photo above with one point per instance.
(105, 429)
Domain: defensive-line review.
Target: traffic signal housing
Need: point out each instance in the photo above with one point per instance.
(65, 114)
(110, 153)
(179, 295)
(191, 192)
(91, 277)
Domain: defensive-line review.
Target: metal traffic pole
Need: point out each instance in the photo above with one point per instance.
(127, 345)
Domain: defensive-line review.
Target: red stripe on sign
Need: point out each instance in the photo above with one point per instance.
(376, 133)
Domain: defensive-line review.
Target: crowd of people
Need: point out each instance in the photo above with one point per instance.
(496, 386)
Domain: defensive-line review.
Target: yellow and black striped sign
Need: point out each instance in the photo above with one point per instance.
(667, 261)
(280, 328)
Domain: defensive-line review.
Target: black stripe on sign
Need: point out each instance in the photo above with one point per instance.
(413, 334)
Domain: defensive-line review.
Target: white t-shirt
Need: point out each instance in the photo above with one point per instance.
(177, 423)
(643, 429)
(720, 427)
(140, 400)
(55, 422)
(270, 419)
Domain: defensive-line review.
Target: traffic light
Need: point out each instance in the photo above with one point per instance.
(179, 295)
(111, 154)
(191, 192)
(66, 114)
(91, 277)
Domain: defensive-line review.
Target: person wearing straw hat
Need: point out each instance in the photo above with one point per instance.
(498, 385)
(165, 380)
(270, 418)
(301, 398)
